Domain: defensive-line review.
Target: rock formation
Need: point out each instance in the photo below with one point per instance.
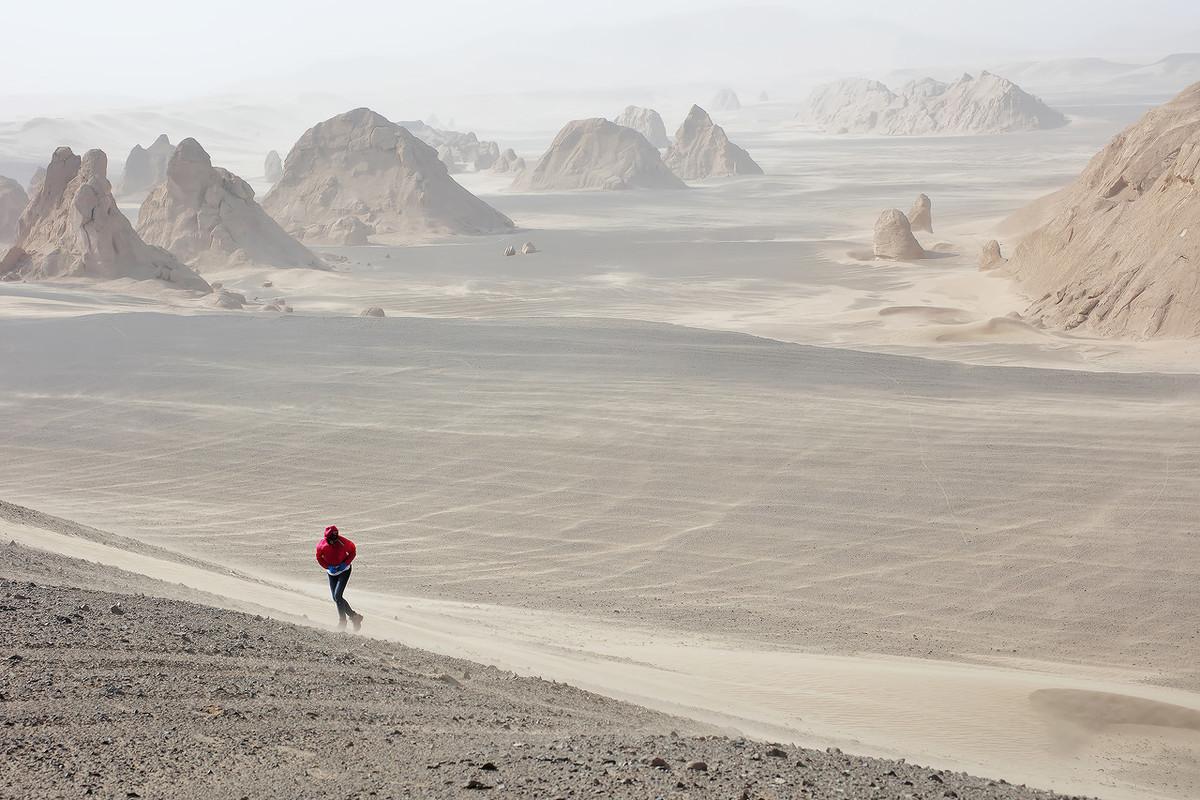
(35, 183)
(990, 256)
(1120, 254)
(702, 150)
(273, 167)
(231, 301)
(598, 154)
(924, 88)
(763, 97)
(12, 202)
(73, 228)
(987, 104)
(921, 215)
(510, 251)
(146, 166)
(528, 248)
(363, 166)
(458, 151)
(373, 311)
(350, 231)
(725, 100)
(894, 239)
(446, 156)
(508, 161)
(647, 122)
(206, 215)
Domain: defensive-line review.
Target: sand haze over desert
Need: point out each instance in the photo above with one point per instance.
(724, 400)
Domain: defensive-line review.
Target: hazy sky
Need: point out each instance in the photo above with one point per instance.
(151, 50)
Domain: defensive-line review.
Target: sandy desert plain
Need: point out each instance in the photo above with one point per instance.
(692, 454)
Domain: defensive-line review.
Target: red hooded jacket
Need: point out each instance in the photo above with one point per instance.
(339, 551)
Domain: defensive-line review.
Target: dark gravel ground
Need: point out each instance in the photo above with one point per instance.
(122, 695)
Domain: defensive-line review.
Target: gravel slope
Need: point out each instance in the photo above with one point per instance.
(117, 694)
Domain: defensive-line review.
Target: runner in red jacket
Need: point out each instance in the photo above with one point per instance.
(334, 554)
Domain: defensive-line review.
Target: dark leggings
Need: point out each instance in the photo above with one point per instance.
(337, 587)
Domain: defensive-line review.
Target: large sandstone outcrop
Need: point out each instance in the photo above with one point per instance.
(273, 167)
(73, 228)
(702, 150)
(1120, 254)
(921, 215)
(725, 100)
(987, 104)
(12, 202)
(206, 215)
(894, 239)
(647, 122)
(598, 154)
(146, 166)
(359, 164)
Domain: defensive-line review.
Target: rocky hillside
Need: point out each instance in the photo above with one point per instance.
(117, 690)
(1120, 254)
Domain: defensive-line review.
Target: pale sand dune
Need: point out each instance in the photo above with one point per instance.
(1070, 729)
(995, 328)
(935, 314)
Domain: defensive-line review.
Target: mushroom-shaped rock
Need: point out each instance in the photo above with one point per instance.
(12, 202)
(206, 215)
(273, 167)
(73, 228)
(360, 164)
(894, 238)
(725, 100)
(921, 215)
(373, 311)
(510, 251)
(647, 122)
(146, 167)
(528, 248)
(278, 304)
(598, 154)
(702, 150)
(990, 256)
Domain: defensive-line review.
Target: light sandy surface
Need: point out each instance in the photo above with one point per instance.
(751, 493)
(1079, 730)
(900, 522)
(113, 687)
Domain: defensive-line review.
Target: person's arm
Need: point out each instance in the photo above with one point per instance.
(321, 558)
(351, 551)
